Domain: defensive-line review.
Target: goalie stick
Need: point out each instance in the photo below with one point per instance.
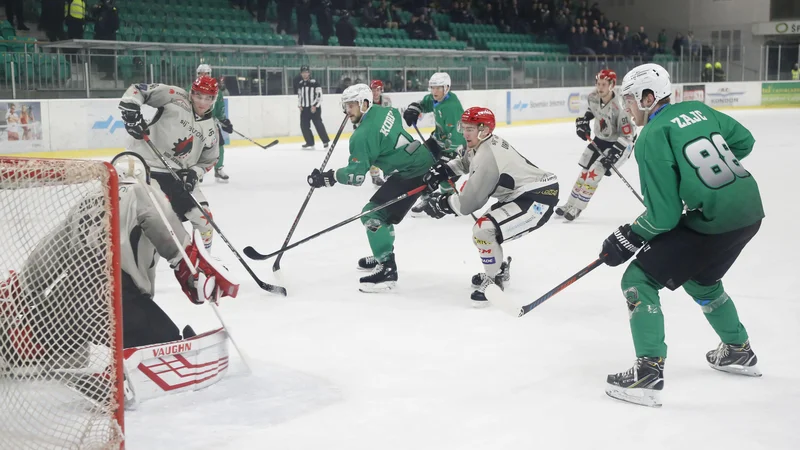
(497, 297)
(263, 285)
(193, 270)
(253, 254)
(277, 265)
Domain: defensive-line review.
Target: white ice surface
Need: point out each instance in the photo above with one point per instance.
(419, 368)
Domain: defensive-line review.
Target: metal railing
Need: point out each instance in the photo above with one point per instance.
(105, 68)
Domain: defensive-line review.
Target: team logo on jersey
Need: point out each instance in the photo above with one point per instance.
(603, 124)
(183, 146)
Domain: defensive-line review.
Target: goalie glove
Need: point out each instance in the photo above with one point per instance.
(210, 280)
(184, 275)
(582, 126)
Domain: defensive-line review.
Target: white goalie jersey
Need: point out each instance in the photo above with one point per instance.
(185, 139)
(611, 122)
(496, 170)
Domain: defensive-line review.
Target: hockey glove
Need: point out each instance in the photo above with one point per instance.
(440, 172)
(611, 156)
(226, 126)
(412, 113)
(437, 206)
(319, 179)
(582, 125)
(620, 246)
(434, 147)
(135, 124)
(184, 275)
(189, 178)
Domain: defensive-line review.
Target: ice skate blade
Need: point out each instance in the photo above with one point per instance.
(637, 396)
(375, 288)
(364, 269)
(480, 304)
(736, 369)
(222, 180)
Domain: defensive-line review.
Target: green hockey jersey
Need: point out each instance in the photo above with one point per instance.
(381, 141)
(447, 114)
(689, 154)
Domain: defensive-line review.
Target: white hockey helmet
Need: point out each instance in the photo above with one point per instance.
(131, 168)
(440, 79)
(357, 93)
(650, 77)
(203, 68)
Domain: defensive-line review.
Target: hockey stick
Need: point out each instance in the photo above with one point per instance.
(253, 254)
(277, 266)
(266, 286)
(498, 298)
(193, 270)
(271, 144)
(594, 148)
(453, 185)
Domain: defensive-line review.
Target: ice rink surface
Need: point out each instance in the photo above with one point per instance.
(419, 368)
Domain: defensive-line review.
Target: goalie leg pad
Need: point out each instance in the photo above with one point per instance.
(177, 366)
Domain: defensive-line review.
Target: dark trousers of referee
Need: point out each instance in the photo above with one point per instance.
(306, 117)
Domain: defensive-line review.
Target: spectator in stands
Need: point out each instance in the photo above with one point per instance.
(304, 22)
(52, 19)
(678, 44)
(14, 11)
(615, 46)
(345, 31)
(387, 86)
(261, 10)
(106, 19)
(324, 20)
(344, 84)
(284, 16)
(707, 74)
(75, 13)
(796, 72)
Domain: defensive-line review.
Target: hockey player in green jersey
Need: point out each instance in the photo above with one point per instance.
(378, 99)
(446, 142)
(688, 154)
(224, 123)
(380, 140)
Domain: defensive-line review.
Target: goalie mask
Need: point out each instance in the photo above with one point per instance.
(131, 168)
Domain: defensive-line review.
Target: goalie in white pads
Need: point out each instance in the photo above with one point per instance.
(526, 195)
(613, 136)
(147, 225)
(184, 130)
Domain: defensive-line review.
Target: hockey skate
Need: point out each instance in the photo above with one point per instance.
(505, 274)
(736, 359)
(307, 147)
(641, 384)
(325, 145)
(479, 295)
(367, 263)
(383, 277)
(567, 211)
(220, 175)
(419, 209)
(560, 210)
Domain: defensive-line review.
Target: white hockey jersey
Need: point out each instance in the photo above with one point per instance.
(611, 122)
(386, 102)
(496, 170)
(185, 139)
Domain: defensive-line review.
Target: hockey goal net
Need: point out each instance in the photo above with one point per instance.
(61, 383)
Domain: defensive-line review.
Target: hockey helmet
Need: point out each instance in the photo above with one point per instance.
(131, 168)
(206, 85)
(376, 84)
(440, 79)
(203, 68)
(480, 116)
(357, 93)
(646, 77)
(607, 74)
(304, 68)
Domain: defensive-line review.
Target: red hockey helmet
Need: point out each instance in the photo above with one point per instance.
(376, 84)
(607, 74)
(206, 85)
(480, 116)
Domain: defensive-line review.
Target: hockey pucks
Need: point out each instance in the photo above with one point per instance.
(498, 298)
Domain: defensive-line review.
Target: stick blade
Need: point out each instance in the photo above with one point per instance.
(502, 301)
(251, 253)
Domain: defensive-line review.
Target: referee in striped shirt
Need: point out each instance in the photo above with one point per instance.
(309, 102)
